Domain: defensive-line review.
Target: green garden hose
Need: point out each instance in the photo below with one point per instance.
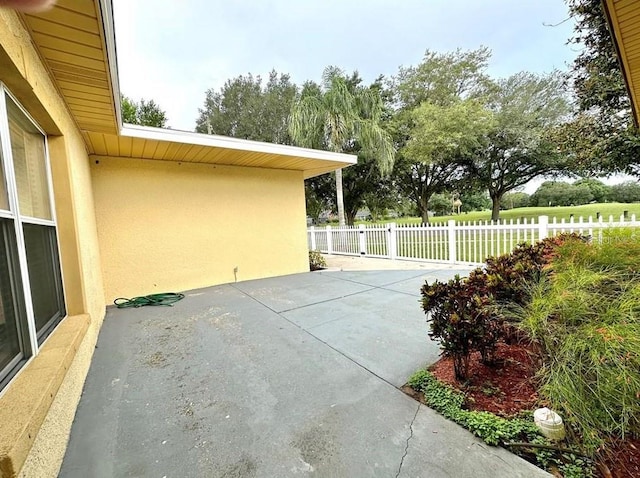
(166, 298)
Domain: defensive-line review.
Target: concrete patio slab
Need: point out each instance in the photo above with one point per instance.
(293, 291)
(222, 385)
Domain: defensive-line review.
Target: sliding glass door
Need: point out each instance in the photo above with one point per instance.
(31, 295)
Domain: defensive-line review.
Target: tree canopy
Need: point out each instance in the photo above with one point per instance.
(343, 116)
(143, 112)
(520, 146)
(245, 108)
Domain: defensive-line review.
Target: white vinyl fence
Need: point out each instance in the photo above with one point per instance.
(455, 242)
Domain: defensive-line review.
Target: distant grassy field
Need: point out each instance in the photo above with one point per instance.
(605, 209)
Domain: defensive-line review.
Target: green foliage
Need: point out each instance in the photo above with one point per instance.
(602, 138)
(462, 320)
(599, 191)
(495, 430)
(514, 200)
(519, 147)
(440, 204)
(246, 108)
(145, 113)
(475, 201)
(439, 119)
(628, 191)
(316, 261)
(341, 115)
(585, 319)
(558, 193)
(463, 313)
(492, 429)
(442, 139)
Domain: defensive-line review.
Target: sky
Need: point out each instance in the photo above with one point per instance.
(173, 51)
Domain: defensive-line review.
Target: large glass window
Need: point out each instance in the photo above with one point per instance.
(29, 164)
(31, 295)
(44, 276)
(13, 346)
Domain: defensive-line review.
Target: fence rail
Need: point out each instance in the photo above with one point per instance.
(454, 242)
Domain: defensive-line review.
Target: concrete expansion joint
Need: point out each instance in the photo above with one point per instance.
(406, 446)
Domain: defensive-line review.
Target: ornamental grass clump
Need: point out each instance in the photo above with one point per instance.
(585, 320)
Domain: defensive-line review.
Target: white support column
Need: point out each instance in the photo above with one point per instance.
(543, 227)
(363, 240)
(451, 229)
(329, 240)
(392, 241)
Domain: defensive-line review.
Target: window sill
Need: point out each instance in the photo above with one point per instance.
(26, 401)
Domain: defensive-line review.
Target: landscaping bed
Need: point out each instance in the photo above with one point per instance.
(555, 324)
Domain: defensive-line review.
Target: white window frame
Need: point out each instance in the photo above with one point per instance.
(18, 219)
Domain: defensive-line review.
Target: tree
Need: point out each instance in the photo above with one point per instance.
(520, 146)
(607, 141)
(442, 78)
(599, 191)
(474, 201)
(244, 108)
(342, 117)
(441, 204)
(628, 191)
(438, 120)
(441, 142)
(514, 200)
(558, 193)
(145, 113)
(319, 193)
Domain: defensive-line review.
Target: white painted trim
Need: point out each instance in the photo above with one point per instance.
(37, 221)
(106, 12)
(215, 141)
(13, 204)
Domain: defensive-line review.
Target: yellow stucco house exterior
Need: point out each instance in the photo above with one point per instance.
(91, 210)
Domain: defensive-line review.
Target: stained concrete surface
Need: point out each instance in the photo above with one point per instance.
(290, 376)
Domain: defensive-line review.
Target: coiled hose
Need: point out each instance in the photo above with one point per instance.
(166, 299)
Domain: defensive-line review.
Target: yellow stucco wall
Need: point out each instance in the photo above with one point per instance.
(26, 77)
(168, 227)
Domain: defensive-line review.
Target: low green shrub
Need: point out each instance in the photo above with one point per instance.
(495, 430)
(492, 429)
(464, 314)
(316, 261)
(462, 320)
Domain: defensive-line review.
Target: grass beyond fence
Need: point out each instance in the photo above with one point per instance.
(605, 209)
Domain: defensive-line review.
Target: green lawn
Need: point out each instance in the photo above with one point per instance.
(606, 209)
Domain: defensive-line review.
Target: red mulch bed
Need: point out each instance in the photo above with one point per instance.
(505, 388)
(624, 459)
(508, 388)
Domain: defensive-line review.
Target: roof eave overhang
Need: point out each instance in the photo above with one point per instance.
(632, 83)
(95, 18)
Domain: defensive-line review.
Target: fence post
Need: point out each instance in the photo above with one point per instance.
(329, 240)
(451, 228)
(363, 240)
(392, 242)
(312, 231)
(543, 227)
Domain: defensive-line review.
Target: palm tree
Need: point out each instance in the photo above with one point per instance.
(337, 118)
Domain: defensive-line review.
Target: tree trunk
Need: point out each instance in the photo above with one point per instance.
(423, 204)
(340, 198)
(495, 209)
